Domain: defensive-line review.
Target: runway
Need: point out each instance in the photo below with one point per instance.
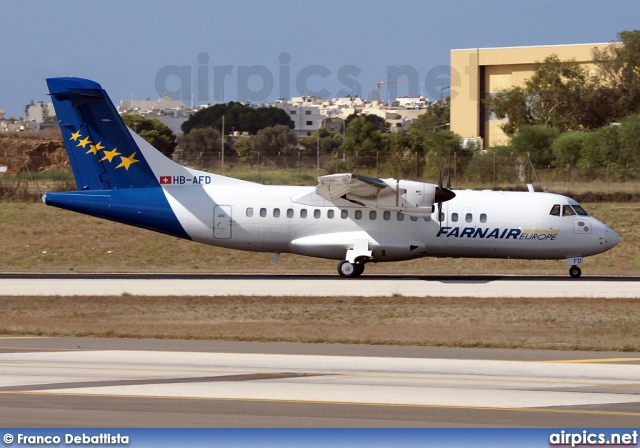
(317, 285)
(79, 382)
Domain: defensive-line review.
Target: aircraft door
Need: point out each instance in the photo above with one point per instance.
(222, 222)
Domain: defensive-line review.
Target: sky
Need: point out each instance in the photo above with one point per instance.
(254, 50)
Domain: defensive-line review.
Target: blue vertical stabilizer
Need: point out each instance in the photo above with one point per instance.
(101, 150)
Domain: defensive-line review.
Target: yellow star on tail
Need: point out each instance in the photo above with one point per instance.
(75, 136)
(84, 142)
(93, 149)
(127, 161)
(109, 155)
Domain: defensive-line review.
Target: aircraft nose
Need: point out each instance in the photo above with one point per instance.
(611, 238)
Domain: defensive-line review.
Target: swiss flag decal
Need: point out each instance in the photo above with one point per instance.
(165, 180)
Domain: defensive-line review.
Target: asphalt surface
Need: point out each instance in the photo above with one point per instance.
(92, 382)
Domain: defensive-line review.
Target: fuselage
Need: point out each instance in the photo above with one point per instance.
(484, 224)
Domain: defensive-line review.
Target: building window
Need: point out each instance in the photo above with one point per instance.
(249, 212)
(307, 112)
(292, 112)
(316, 213)
(309, 123)
(358, 214)
(344, 214)
(303, 213)
(263, 212)
(276, 212)
(330, 214)
(290, 213)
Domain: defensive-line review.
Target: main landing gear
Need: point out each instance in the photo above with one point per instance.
(346, 269)
(575, 271)
(353, 264)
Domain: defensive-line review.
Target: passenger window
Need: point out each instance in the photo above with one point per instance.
(372, 215)
(468, 217)
(249, 212)
(413, 218)
(555, 210)
(330, 214)
(427, 218)
(483, 217)
(386, 216)
(263, 212)
(567, 210)
(441, 217)
(400, 216)
(454, 217)
(358, 214)
(344, 214)
(303, 213)
(289, 213)
(276, 212)
(316, 213)
(580, 211)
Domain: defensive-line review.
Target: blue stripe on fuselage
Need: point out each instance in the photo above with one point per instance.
(140, 207)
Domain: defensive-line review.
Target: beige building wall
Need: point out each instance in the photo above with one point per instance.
(476, 73)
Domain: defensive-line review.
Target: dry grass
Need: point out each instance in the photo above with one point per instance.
(37, 238)
(580, 324)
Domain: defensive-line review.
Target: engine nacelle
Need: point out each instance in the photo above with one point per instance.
(413, 198)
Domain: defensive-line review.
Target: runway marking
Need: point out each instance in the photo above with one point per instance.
(595, 360)
(339, 403)
(317, 374)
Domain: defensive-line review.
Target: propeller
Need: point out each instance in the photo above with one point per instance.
(443, 194)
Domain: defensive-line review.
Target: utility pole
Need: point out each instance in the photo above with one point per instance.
(318, 149)
(222, 148)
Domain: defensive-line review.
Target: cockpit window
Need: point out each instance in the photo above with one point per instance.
(555, 210)
(580, 211)
(567, 210)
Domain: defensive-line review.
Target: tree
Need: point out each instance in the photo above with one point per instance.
(620, 73)
(535, 142)
(245, 151)
(436, 117)
(362, 138)
(200, 147)
(376, 122)
(274, 141)
(329, 142)
(237, 117)
(553, 96)
(153, 131)
(567, 148)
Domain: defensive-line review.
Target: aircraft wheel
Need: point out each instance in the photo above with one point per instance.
(359, 268)
(347, 269)
(575, 272)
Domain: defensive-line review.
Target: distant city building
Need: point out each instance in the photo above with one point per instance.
(39, 111)
(170, 112)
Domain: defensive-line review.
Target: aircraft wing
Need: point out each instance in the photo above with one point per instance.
(335, 186)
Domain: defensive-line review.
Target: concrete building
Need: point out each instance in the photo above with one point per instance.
(39, 111)
(479, 72)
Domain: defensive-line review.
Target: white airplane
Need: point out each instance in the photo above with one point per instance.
(347, 217)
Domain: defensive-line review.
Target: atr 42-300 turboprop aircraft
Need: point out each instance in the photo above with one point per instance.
(348, 217)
